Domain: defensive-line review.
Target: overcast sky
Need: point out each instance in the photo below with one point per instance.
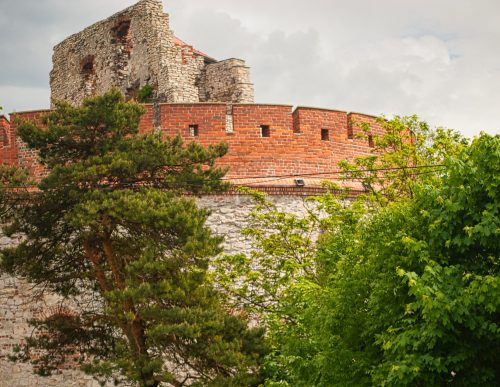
(439, 59)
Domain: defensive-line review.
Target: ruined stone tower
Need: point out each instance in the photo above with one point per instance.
(136, 47)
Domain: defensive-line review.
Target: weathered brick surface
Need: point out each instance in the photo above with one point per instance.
(8, 148)
(28, 158)
(295, 144)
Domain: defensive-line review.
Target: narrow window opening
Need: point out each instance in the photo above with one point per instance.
(325, 135)
(370, 141)
(88, 68)
(194, 131)
(265, 131)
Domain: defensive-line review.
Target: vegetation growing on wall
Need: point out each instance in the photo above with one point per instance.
(145, 94)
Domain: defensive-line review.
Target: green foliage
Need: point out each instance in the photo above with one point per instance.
(145, 93)
(402, 287)
(14, 183)
(112, 232)
(407, 154)
(414, 296)
(256, 282)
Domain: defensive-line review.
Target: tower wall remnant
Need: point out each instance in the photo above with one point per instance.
(136, 47)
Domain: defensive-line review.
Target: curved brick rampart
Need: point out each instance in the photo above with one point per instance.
(265, 141)
(296, 145)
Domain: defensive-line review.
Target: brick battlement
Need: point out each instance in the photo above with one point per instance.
(8, 148)
(269, 145)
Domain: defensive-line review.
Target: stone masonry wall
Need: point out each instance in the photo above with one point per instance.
(122, 51)
(133, 48)
(226, 81)
(18, 305)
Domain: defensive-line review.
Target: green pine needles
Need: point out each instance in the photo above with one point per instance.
(111, 231)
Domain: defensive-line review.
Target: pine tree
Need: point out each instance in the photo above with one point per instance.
(113, 233)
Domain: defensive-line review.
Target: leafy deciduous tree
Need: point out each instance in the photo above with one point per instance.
(403, 287)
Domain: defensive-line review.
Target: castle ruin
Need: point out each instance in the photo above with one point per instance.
(135, 48)
(200, 99)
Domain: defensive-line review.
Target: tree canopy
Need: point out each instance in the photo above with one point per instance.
(401, 288)
(111, 230)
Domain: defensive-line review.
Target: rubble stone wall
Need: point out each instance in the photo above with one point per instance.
(133, 48)
(226, 81)
(18, 303)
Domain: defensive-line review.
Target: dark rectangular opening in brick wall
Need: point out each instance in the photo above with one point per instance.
(325, 135)
(265, 131)
(194, 131)
(350, 131)
(370, 141)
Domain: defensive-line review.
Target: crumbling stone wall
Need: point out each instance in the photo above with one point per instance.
(136, 47)
(226, 81)
(18, 304)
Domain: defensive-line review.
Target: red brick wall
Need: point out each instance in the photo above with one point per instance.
(28, 158)
(295, 145)
(147, 118)
(21, 155)
(356, 133)
(8, 149)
